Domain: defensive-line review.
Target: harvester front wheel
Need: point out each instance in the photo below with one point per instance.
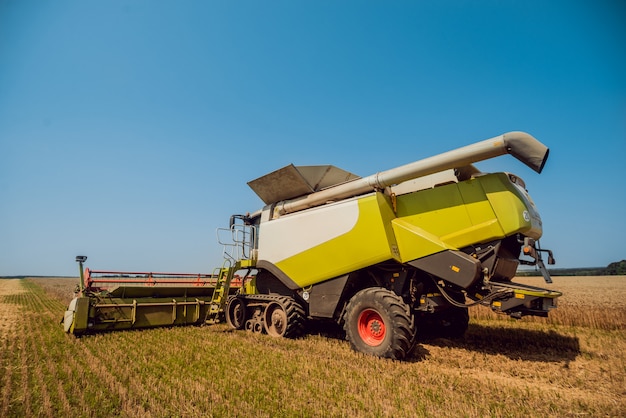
(284, 318)
(379, 323)
(236, 313)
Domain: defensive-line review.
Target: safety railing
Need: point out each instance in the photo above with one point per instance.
(237, 240)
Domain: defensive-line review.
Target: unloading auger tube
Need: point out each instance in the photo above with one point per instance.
(521, 145)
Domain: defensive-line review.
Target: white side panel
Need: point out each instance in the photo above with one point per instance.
(290, 235)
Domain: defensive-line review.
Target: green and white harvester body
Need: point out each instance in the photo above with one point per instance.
(388, 257)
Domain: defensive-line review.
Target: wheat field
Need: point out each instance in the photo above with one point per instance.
(570, 364)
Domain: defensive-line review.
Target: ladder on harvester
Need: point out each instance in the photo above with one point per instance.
(237, 256)
(220, 293)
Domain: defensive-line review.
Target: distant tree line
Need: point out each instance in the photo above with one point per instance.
(617, 268)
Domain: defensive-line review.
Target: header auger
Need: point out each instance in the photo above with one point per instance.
(387, 257)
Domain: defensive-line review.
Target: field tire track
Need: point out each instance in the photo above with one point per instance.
(7, 351)
(101, 365)
(37, 376)
(536, 385)
(42, 357)
(24, 365)
(33, 333)
(9, 317)
(131, 365)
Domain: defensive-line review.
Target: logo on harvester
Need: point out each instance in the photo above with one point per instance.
(526, 216)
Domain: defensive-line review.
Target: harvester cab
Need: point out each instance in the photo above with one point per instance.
(387, 257)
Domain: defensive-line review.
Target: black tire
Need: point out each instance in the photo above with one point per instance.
(284, 318)
(379, 323)
(236, 315)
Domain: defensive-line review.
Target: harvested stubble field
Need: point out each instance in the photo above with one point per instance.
(571, 364)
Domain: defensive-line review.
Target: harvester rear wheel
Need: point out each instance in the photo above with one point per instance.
(236, 315)
(379, 323)
(284, 318)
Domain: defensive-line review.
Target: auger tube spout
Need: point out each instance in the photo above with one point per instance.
(521, 145)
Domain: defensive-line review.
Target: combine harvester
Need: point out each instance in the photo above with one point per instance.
(390, 256)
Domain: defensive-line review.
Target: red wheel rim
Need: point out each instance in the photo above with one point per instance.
(371, 327)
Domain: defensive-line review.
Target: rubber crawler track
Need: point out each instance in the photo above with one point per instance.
(296, 317)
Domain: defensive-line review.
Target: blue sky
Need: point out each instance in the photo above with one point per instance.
(128, 129)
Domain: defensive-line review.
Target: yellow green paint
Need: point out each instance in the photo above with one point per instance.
(453, 216)
(368, 243)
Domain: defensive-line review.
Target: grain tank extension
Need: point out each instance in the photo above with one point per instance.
(388, 257)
